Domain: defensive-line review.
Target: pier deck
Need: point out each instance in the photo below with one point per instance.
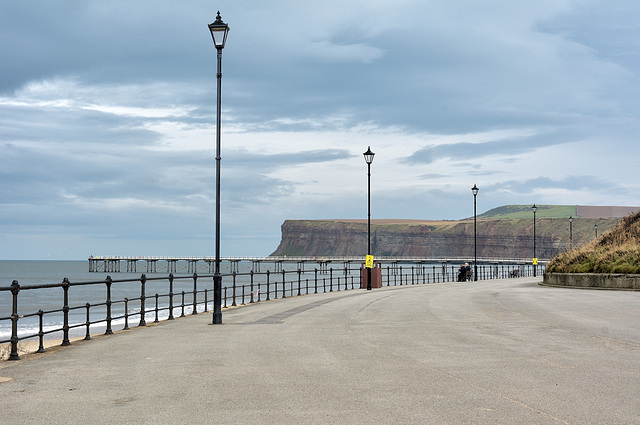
(114, 264)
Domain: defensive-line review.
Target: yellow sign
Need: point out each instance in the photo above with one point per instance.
(535, 261)
(369, 263)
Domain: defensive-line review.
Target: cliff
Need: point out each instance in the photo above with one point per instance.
(496, 237)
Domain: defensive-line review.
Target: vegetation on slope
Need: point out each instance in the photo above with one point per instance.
(525, 211)
(617, 251)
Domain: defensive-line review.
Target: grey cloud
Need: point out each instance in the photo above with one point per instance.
(570, 183)
(466, 151)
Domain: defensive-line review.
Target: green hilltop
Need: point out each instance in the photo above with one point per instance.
(525, 211)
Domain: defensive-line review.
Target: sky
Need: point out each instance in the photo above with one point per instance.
(108, 117)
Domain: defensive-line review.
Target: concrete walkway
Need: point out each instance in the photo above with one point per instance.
(488, 352)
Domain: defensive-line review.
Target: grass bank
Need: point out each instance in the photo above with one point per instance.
(617, 251)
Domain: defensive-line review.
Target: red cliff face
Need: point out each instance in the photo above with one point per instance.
(509, 238)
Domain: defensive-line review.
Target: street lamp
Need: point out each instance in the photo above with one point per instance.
(368, 158)
(595, 226)
(475, 190)
(535, 260)
(571, 231)
(219, 31)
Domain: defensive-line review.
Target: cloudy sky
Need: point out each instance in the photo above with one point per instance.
(107, 116)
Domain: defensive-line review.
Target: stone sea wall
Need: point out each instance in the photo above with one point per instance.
(593, 280)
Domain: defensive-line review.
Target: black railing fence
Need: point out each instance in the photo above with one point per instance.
(57, 311)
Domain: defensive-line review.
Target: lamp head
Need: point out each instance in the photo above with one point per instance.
(368, 156)
(475, 190)
(534, 208)
(219, 31)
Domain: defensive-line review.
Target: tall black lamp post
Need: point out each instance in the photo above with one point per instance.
(475, 190)
(595, 226)
(535, 259)
(368, 157)
(219, 31)
(571, 231)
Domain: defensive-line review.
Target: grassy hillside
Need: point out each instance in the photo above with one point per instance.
(525, 211)
(617, 251)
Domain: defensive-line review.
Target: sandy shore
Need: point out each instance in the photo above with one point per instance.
(26, 348)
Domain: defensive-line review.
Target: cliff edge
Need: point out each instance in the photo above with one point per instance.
(503, 232)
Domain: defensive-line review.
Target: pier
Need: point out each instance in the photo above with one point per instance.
(114, 264)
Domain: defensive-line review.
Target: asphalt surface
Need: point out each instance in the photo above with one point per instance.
(487, 352)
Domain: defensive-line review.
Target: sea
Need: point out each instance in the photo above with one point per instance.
(29, 273)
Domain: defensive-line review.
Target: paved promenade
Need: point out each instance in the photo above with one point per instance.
(488, 352)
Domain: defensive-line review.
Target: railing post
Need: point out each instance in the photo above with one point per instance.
(41, 331)
(251, 276)
(182, 305)
(143, 281)
(65, 310)
(195, 294)
(156, 320)
(108, 281)
(171, 297)
(299, 281)
(284, 285)
(88, 323)
(315, 279)
(15, 288)
(233, 303)
(243, 287)
(126, 314)
(258, 292)
(331, 279)
(206, 307)
(268, 274)
(346, 279)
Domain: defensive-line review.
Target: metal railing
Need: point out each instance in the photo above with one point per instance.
(194, 297)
